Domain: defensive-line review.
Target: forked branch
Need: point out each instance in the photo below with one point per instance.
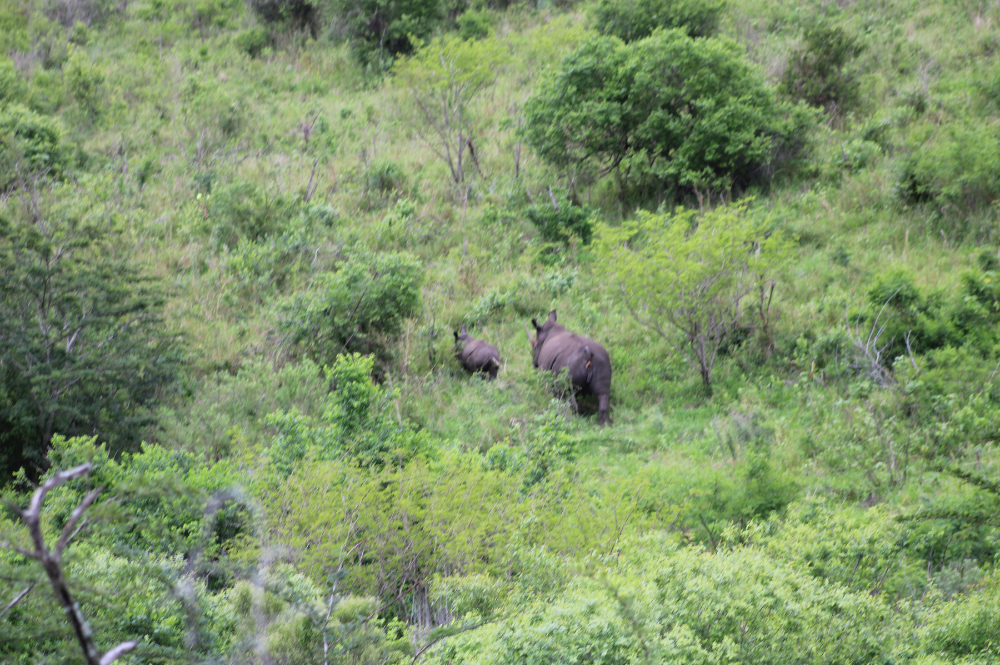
(51, 561)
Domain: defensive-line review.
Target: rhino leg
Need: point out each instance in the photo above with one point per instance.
(603, 406)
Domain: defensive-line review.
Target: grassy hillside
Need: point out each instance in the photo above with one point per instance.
(234, 248)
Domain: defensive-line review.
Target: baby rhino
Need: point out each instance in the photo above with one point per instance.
(476, 355)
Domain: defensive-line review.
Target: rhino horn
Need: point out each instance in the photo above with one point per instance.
(528, 333)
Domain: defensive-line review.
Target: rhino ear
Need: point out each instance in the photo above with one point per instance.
(456, 335)
(534, 322)
(464, 331)
(552, 316)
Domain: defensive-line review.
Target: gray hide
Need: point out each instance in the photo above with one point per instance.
(587, 362)
(476, 355)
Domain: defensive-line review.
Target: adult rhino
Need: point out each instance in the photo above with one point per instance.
(586, 361)
(476, 355)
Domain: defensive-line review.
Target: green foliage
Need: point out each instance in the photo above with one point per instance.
(651, 607)
(30, 144)
(85, 81)
(381, 30)
(85, 348)
(356, 424)
(693, 112)
(561, 221)
(819, 72)
(638, 19)
(88, 12)
(474, 24)
(694, 276)
(444, 76)
(242, 210)
(229, 410)
(13, 89)
(384, 181)
(253, 41)
(360, 307)
(298, 14)
(952, 169)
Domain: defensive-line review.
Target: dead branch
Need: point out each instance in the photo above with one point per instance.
(51, 561)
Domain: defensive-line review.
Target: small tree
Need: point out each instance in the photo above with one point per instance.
(635, 19)
(690, 275)
(381, 30)
(443, 77)
(359, 308)
(693, 112)
(819, 71)
(83, 345)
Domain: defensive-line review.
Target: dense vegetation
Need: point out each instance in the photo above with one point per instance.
(235, 239)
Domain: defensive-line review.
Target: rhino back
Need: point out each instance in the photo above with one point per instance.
(566, 350)
(477, 354)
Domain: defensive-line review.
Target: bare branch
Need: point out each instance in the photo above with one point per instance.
(17, 599)
(114, 653)
(69, 529)
(51, 562)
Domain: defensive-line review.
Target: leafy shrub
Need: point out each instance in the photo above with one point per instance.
(693, 279)
(474, 24)
(299, 14)
(383, 180)
(358, 424)
(253, 41)
(901, 312)
(818, 73)
(242, 210)
(954, 167)
(228, 409)
(557, 223)
(33, 141)
(694, 112)
(85, 81)
(652, 603)
(630, 20)
(380, 30)
(360, 307)
(12, 88)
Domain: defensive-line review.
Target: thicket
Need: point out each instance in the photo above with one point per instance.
(235, 240)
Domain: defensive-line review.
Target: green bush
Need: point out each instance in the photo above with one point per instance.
(31, 143)
(242, 210)
(693, 112)
(380, 30)
(819, 72)
(360, 307)
(630, 20)
(253, 41)
(383, 181)
(85, 82)
(659, 603)
(358, 424)
(953, 168)
(559, 222)
(299, 14)
(474, 24)
(13, 90)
